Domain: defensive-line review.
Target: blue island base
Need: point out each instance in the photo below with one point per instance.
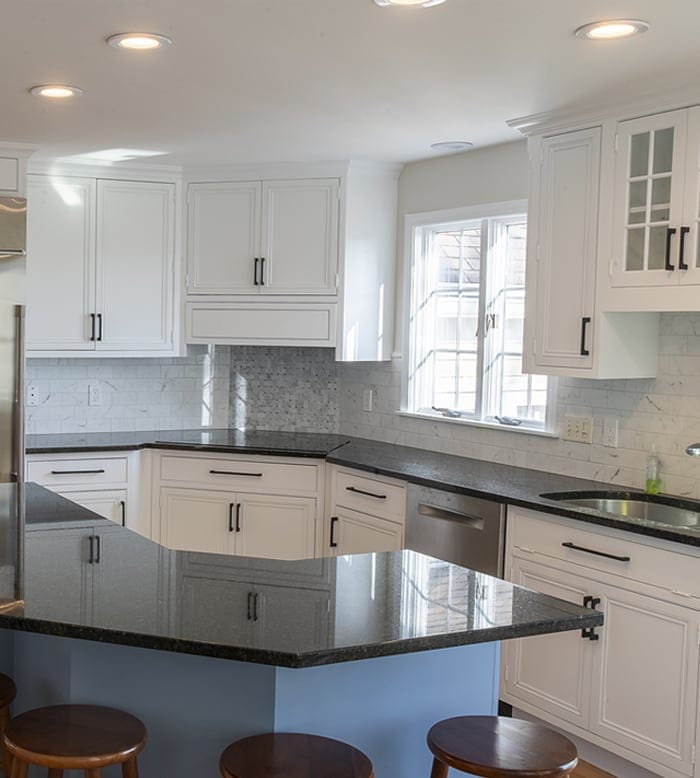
(194, 706)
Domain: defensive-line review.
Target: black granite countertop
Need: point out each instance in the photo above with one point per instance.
(125, 589)
(489, 480)
(297, 444)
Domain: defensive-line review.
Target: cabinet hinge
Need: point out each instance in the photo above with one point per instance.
(616, 144)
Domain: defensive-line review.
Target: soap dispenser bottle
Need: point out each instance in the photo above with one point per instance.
(653, 485)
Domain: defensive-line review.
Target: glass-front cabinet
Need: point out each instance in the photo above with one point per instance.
(657, 208)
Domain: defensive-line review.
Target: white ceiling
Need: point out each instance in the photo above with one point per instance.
(298, 80)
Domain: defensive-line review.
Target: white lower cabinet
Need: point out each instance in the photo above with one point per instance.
(242, 524)
(360, 533)
(632, 686)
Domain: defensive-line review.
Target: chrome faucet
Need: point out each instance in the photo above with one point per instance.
(693, 450)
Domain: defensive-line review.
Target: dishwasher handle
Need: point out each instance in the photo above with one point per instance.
(473, 522)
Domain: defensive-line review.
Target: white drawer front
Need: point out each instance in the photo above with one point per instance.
(369, 495)
(79, 472)
(236, 475)
(531, 533)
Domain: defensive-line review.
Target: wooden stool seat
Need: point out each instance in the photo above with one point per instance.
(74, 737)
(498, 747)
(283, 755)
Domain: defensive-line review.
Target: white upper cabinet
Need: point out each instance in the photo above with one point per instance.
(60, 263)
(563, 234)
(135, 266)
(269, 237)
(100, 267)
(300, 237)
(224, 237)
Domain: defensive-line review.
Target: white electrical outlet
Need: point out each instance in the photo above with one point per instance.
(94, 394)
(367, 399)
(32, 395)
(610, 431)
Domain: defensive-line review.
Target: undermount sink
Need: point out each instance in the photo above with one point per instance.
(657, 510)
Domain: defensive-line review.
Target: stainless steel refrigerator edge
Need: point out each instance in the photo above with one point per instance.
(457, 528)
(13, 231)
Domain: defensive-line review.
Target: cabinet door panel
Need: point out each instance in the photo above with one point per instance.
(60, 263)
(223, 237)
(135, 265)
(58, 577)
(231, 625)
(108, 504)
(551, 671)
(649, 183)
(292, 616)
(128, 589)
(300, 236)
(358, 533)
(646, 678)
(197, 520)
(277, 527)
(564, 260)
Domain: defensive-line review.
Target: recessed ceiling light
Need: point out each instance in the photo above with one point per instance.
(56, 91)
(612, 29)
(451, 145)
(139, 41)
(415, 3)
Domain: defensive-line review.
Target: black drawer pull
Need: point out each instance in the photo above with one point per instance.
(670, 232)
(585, 321)
(597, 553)
(366, 494)
(122, 503)
(98, 555)
(91, 541)
(232, 472)
(334, 542)
(77, 472)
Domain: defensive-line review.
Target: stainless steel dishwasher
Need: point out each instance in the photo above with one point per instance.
(465, 530)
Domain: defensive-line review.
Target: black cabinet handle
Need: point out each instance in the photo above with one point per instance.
(255, 272)
(92, 326)
(99, 329)
(366, 494)
(597, 553)
(334, 521)
(670, 232)
(262, 271)
(91, 541)
(122, 503)
(76, 472)
(231, 506)
(250, 606)
(681, 250)
(592, 603)
(255, 606)
(238, 517)
(232, 472)
(585, 321)
(98, 555)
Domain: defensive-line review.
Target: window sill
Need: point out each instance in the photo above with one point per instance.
(483, 424)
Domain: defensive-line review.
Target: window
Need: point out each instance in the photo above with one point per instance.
(466, 319)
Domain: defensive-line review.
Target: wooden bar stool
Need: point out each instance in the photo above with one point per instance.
(498, 747)
(74, 737)
(8, 691)
(278, 755)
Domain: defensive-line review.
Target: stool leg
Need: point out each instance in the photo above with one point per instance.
(439, 769)
(55, 772)
(130, 769)
(93, 772)
(19, 769)
(6, 756)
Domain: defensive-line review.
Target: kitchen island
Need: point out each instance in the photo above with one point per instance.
(370, 649)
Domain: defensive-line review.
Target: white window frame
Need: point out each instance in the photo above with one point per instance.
(415, 222)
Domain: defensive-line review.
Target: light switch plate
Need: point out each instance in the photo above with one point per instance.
(367, 399)
(94, 394)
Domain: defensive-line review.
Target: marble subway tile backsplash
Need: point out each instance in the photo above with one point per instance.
(664, 411)
(246, 387)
